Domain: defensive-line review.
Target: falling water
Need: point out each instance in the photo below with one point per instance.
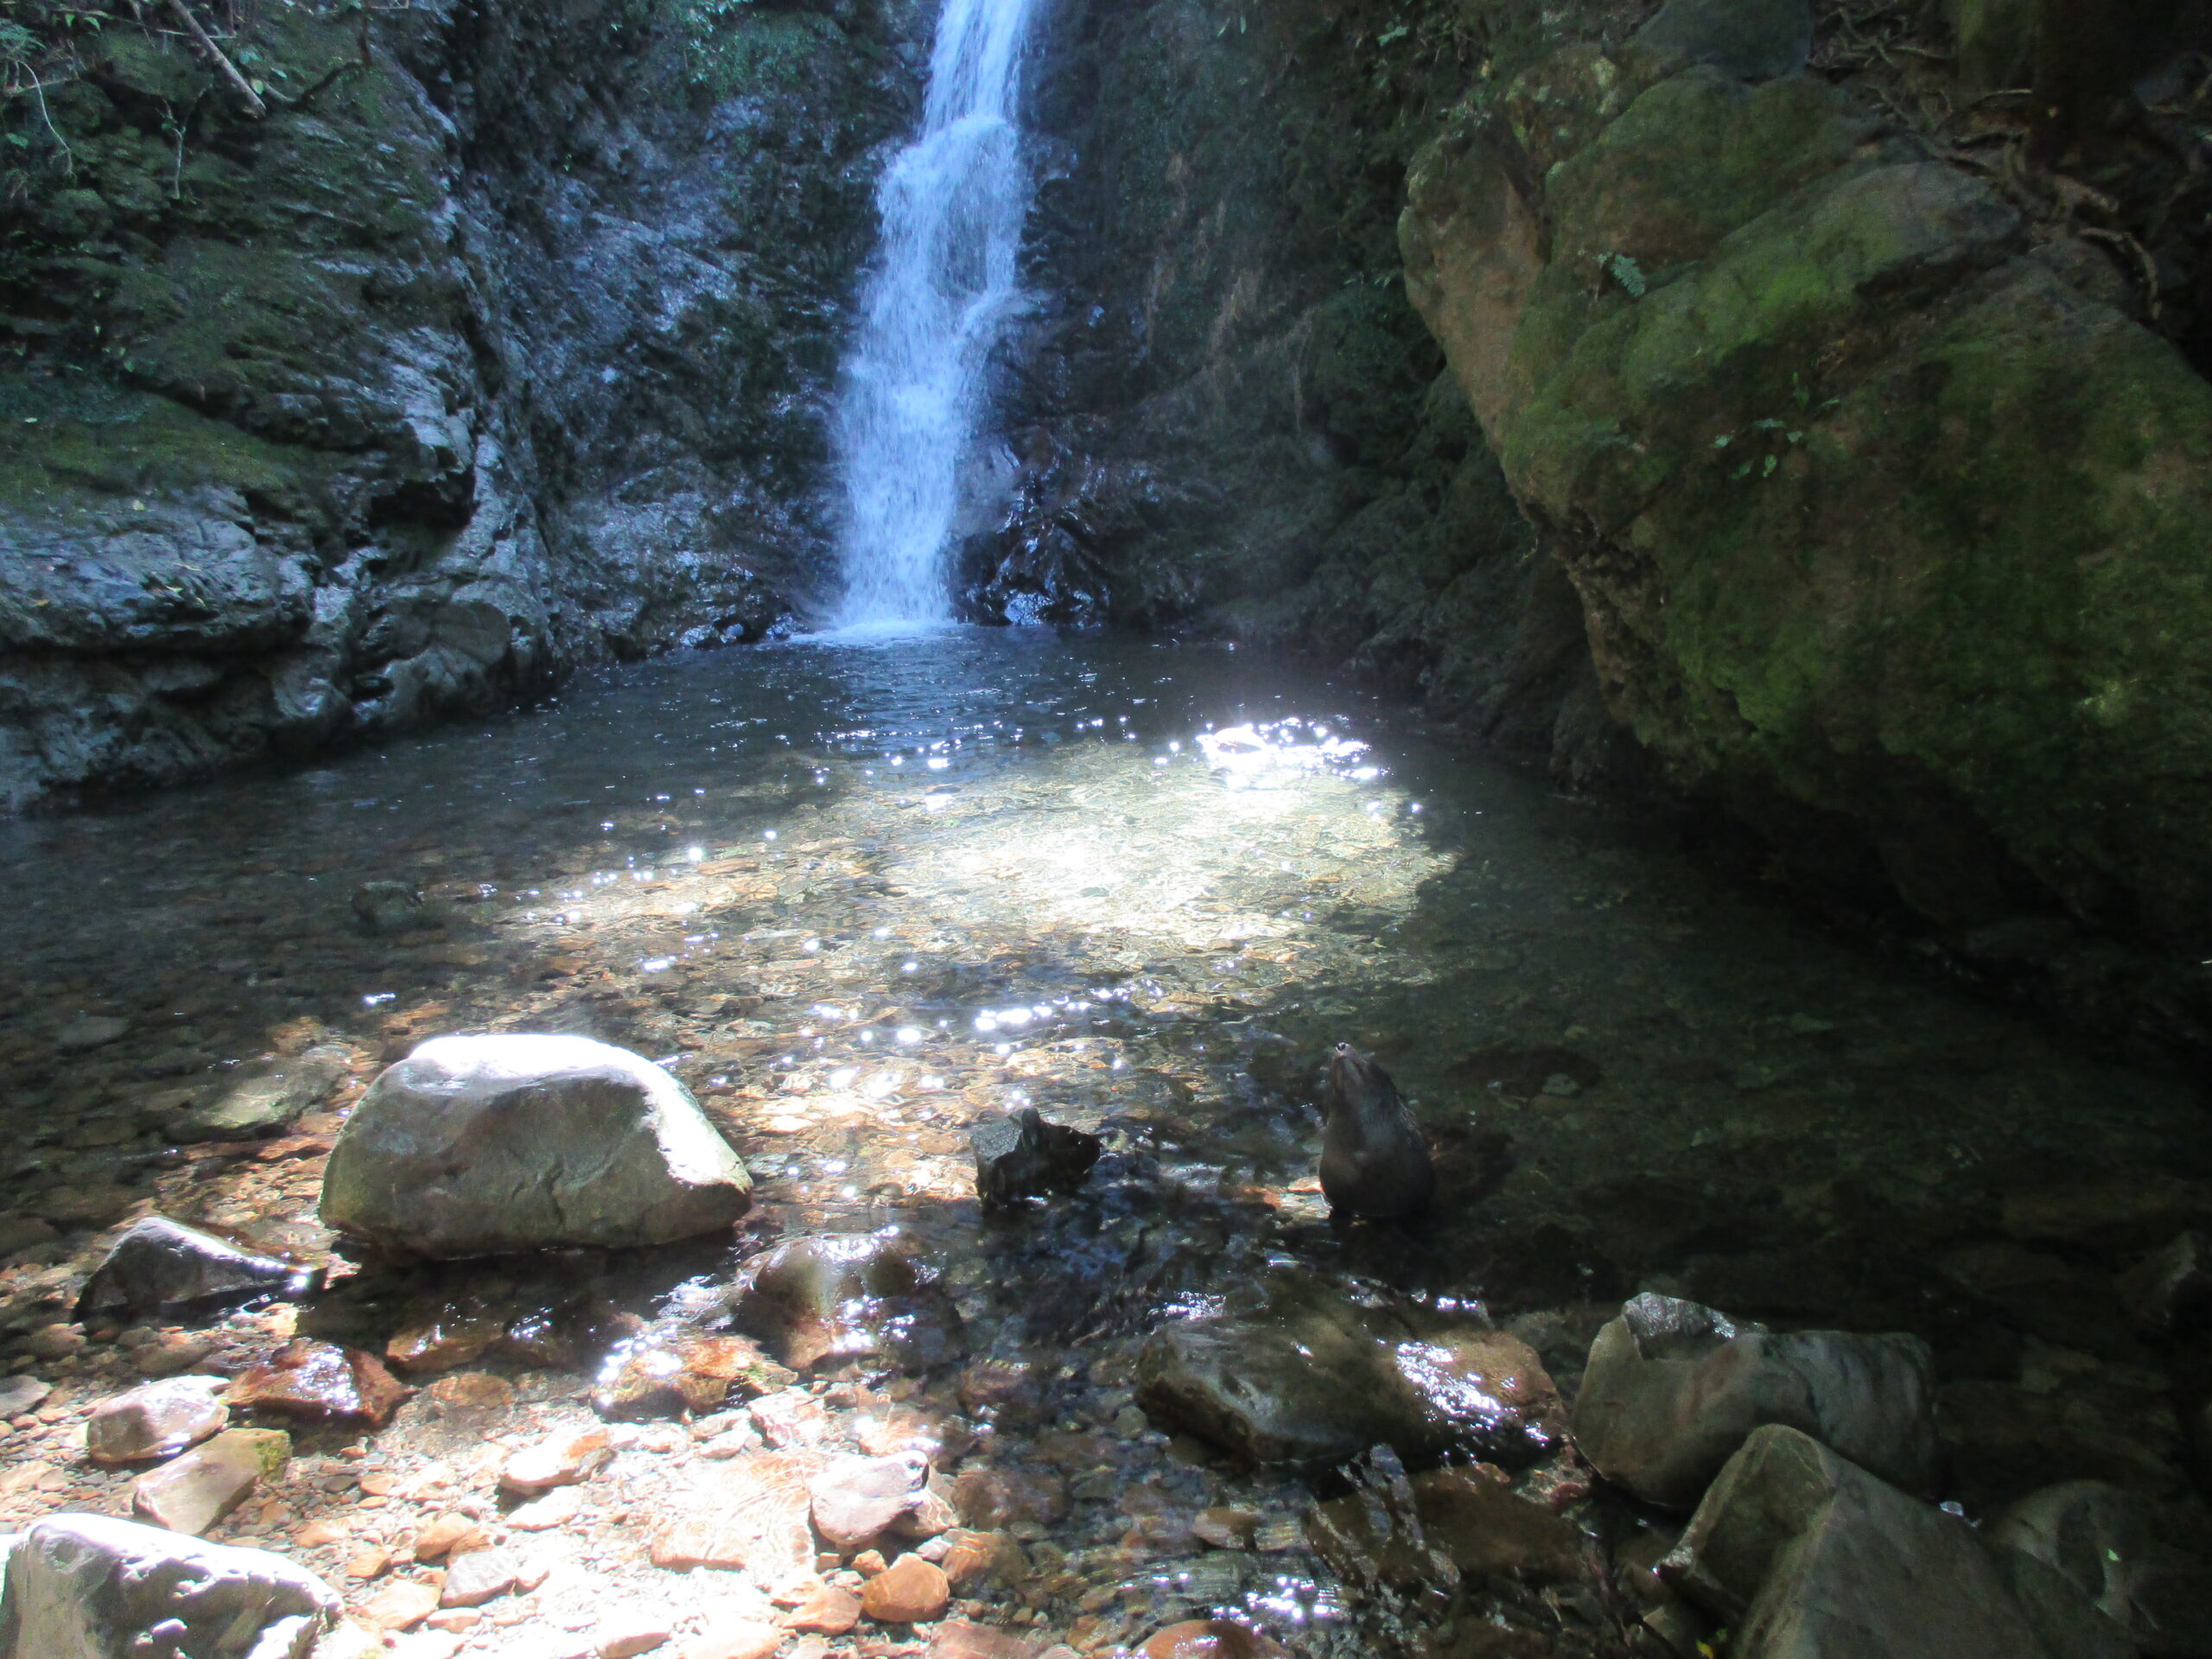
(942, 291)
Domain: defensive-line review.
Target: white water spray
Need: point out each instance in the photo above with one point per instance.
(945, 287)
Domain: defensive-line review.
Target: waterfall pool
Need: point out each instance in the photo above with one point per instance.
(859, 894)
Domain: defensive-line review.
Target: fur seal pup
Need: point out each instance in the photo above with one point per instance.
(1374, 1163)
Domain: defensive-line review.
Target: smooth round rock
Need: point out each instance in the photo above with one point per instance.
(484, 1146)
(911, 1590)
(157, 1420)
(857, 1498)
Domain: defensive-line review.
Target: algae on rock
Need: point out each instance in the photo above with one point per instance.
(1886, 537)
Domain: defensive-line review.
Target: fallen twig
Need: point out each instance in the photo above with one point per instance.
(214, 54)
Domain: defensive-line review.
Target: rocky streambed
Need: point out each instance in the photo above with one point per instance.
(859, 901)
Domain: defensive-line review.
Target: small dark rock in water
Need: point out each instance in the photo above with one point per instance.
(1374, 1163)
(161, 1265)
(1020, 1155)
(319, 1382)
(388, 907)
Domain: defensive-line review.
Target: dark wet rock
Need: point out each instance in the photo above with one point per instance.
(2172, 1287)
(388, 908)
(1442, 1524)
(1020, 1156)
(84, 1587)
(156, 1419)
(559, 1337)
(163, 1266)
(858, 1499)
(192, 1493)
(1673, 1389)
(481, 1146)
(470, 1399)
(660, 1375)
(2145, 1566)
(1312, 1378)
(1752, 40)
(990, 1498)
(1486, 1529)
(825, 1301)
(1800, 1552)
(444, 1337)
(266, 1105)
(321, 1382)
(1374, 1163)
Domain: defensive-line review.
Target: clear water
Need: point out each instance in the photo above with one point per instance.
(860, 895)
(910, 408)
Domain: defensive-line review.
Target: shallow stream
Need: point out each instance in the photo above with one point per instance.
(859, 894)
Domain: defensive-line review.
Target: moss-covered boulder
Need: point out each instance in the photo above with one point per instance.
(1884, 535)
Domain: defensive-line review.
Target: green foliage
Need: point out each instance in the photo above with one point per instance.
(736, 45)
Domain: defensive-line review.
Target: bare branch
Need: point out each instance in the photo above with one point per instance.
(213, 53)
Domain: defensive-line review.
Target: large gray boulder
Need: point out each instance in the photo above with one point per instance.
(1673, 1389)
(87, 1586)
(482, 1146)
(1805, 1556)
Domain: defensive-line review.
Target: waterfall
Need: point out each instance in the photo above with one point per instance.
(939, 296)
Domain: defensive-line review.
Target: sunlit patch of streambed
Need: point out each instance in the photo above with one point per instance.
(858, 897)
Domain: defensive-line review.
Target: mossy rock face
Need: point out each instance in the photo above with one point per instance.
(506, 348)
(1873, 518)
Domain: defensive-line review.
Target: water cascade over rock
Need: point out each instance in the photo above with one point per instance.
(942, 291)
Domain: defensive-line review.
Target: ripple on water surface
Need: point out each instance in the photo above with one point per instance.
(860, 892)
